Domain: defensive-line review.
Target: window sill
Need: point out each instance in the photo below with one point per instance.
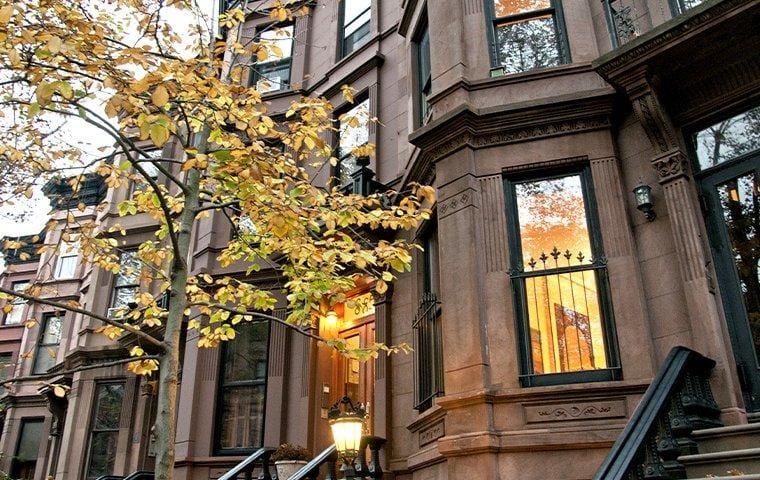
(589, 376)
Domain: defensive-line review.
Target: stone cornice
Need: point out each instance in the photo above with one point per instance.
(90, 355)
(409, 7)
(615, 65)
(468, 126)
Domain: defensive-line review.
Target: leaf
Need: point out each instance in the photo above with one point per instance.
(381, 287)
(160, 96)
(59, 391)
(54, 44)
(5, 14)
(159, 134)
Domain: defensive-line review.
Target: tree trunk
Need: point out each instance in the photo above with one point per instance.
(168, 372)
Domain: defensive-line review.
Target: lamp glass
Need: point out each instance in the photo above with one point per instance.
(643, 195)
(347, 434)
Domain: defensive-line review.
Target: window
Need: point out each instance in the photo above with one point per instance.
(353, 132)
(15, 316)
(66, 264)
(242, 390)
(559, 278)
(24, 462)
(6, 369)
(424, 78)
(681, 6)
(104, 429)
(126, 283)
(355, 16)
(428, 346)
(273, 74)
(527, 34)
(728, 139)
(47, 344)
(150, 168)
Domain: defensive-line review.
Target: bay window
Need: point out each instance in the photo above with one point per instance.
(48, 342)
(15, 316)
(353, 132)
(527, 35)
(126, 283)
(559, 280)
(355, 21)
(104, 429)
(273, 74)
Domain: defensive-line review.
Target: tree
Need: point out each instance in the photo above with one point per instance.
(121, 68)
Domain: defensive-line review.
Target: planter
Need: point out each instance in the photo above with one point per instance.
(287, 468)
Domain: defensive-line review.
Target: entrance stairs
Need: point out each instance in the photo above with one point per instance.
(731, 452)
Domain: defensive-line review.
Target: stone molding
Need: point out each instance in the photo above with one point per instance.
(456, 202)
(651, 115)
(575, 411)
(671, 165)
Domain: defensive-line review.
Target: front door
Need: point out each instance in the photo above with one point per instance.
(732, 199)
(354, 378)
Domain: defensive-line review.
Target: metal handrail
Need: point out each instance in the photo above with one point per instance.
(246, 466)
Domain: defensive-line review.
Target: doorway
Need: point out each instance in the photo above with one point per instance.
(354, 378)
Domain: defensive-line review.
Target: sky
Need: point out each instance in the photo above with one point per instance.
(29, 217)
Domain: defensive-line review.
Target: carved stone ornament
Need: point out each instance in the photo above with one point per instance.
(671, 165)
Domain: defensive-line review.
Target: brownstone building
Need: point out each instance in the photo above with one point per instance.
(549, 296)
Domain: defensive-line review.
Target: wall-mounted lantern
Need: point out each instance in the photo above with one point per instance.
(644, 201)
(347, 425)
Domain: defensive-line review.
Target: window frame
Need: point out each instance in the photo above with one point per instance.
(428, 299)
(115, 287)
(67, 251)
(40, 338)
(221, 386)
(517, 277)
(560, 30)
(160, 155)
(17, 302)
(255, 74)
(5, 373)
(14, 460)
(421, 85)
(343, 51)
(93, 414)
(345, 108)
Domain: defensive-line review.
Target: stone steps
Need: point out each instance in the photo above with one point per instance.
(731, 452)
(701, 465)
(733, 437)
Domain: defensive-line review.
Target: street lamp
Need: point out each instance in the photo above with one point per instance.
(347, 422)
(644, 201)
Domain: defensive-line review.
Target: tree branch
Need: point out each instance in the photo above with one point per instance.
(78, 369)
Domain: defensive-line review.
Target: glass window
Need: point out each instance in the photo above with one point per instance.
(425, 83)
(25, 461)
(15, 316)
(66, 264)
(104, 430)
(6, 369)
(353, 132)
(273, 74)
(356, 18)
(728, 139)
(242, 389)
(48, 343)
(150, 168)
(527, 35)
(428, 346)
(558, 273)
(126, 282)
(681, 6)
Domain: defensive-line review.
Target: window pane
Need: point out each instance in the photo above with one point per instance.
(565, 323)
(729, 139)
(355, 8)
(123, 296)
(6, 369)
(108, 406)
(130, 266)
(527, 44)
(245, 358)
(29, 440)
(102, 454)
(52, 332)
(45, 358)
(504, 8)
(281, 38)
(65, 267)
(242, 421)
(353, 132)
(273, 77)
(553, 226)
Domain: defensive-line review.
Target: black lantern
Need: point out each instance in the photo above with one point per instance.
(644, 202)
(347, 425)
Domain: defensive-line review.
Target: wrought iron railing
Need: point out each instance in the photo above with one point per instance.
(678, 401)
(329, 458)
(627, 19)
(141, 475)
(258, 459)
(428, 356)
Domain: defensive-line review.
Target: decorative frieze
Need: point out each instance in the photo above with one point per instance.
(432, 433)
(671, 165)
(558, 412)
(455, 203)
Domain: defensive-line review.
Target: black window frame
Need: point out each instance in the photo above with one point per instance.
(560, 30)
(40, 340)
(115, 287)
(517, 276)
(221, 387)
(427, 328)
(347, 107)
(14, 461)
(91, 428)
(256, 73)
(343, 47)
(424, 85)
(678, 7)
(133, 184)
(5, 370)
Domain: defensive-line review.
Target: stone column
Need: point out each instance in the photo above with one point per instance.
(381, 415)
(277, 398)
(708, 325)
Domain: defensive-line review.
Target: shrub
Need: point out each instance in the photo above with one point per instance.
(288, 451)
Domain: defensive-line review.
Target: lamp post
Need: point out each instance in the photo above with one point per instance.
(347, 422)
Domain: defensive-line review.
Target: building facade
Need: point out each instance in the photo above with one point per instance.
(548, 295)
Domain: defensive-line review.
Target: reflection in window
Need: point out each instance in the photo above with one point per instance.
(126, 282)
(423, 72)
(242, 389)
(150, 169)
(48, 343)
(25, 461)
(728, 139)
(526, 34)
(6, 369)
(104, 431)
(356, 16)
(558, 276)
(15, 316)
(681, 6)
(66, 263)
(273, 74)
(353, 132)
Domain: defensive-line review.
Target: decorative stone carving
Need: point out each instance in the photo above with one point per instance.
(494, 222)
(575, 411)
(456, 203)
(432, 433)
(671, 165)
(652, 117)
